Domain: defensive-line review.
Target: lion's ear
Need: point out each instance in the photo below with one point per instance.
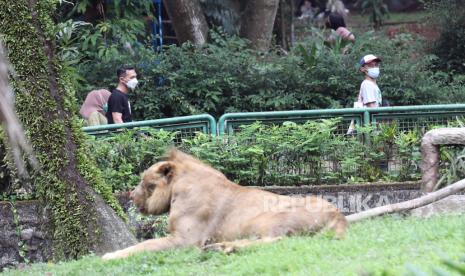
(167, 169)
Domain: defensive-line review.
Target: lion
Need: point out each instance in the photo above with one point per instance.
(208, 211)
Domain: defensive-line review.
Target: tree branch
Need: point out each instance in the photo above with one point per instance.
(10, 121)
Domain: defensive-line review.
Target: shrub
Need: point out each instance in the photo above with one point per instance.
(377, 9)
(287, 154)
(450, 46)
(123, 157)
(405, 77)
(226, 76)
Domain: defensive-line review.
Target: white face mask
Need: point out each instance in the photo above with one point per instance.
(373, 72)
(132, 83)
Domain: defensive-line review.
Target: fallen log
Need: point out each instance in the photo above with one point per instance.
(409, 204)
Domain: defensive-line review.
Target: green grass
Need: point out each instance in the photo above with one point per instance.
(358, 20)
(391, 243)
(419, 16)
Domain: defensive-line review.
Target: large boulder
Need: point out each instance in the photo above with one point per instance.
(450, 205)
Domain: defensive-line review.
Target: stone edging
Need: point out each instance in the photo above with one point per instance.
(366, 187)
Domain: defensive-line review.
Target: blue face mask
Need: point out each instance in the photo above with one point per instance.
(105, 108)
(373, 72)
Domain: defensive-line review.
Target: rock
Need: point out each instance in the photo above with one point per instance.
(39, 235)
(26, 234)
(450, 205)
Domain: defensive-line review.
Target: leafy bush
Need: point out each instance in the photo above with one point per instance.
(124, 156)
(450, 47)
(226, 76)
(287, 154)
(405, 77)
(377, 9)
(221, 77)
(109, 28)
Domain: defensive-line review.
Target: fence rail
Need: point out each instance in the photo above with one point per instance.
(327, 165)
(230, 122)
(406, 118)
(420, 116)
(187, 126)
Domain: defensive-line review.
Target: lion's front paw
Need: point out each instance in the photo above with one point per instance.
(114, 255)
(224, 247)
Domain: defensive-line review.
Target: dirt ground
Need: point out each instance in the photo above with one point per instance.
(430, 33)
(416, 23)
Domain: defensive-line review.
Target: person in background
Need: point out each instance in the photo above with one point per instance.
(306, 9)
(336, 22)
(370, 94)
(94, 107)
(119, 107)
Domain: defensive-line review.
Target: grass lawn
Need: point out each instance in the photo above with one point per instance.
(391, 243)
(357, 19)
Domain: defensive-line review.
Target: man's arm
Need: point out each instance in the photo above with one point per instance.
(117, 117)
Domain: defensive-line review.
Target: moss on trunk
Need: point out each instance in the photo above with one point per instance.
(45, 103)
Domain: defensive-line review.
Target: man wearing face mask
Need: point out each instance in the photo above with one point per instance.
(370, 94)
(119, 108)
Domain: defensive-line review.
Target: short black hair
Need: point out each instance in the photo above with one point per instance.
(336, 20)
(122, 70)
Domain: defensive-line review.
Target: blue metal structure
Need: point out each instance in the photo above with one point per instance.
(157, 26)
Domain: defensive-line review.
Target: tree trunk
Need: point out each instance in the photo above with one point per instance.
(283, 26)
(188, 20)
(67, 180)
(257, 22)
(430, 153)
(409, 204)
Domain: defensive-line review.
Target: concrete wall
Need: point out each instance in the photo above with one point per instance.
(356, 198)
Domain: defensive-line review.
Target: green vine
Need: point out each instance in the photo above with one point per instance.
(46, 106)
(22, 245)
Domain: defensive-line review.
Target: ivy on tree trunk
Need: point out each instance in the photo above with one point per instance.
(68, 183)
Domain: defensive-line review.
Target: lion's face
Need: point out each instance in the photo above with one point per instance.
(153, 194)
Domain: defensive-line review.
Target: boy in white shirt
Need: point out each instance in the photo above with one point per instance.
(370, 94)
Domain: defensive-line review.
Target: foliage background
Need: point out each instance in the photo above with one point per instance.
(450, 46)
(225, 76)
(287, 154)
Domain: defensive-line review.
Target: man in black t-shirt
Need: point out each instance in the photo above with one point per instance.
(119, 108)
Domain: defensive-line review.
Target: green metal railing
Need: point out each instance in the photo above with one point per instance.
(230, 122)
(417, 116)
(187, 126)
(406, 117)
(285, 165)
(328, 166)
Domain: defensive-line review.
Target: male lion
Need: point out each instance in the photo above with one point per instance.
(209, 211)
